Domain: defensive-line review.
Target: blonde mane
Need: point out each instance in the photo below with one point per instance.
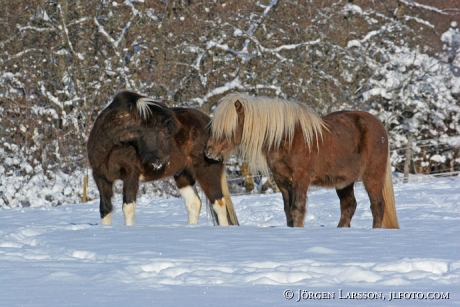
(267, 122)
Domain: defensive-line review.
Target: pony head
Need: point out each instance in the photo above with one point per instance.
(158, 123)
(154, 145)
(225, 138)
(134, 120)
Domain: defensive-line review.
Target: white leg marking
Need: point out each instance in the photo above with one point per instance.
(129, 210)
(192, 203)
(221, 211)
(107, 220)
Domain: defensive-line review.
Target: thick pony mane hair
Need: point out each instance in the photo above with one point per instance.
(140, 107)
(267, 122)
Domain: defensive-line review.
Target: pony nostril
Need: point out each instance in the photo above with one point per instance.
(157, 164)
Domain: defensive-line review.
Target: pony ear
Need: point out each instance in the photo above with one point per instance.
(171, 123)
(129, 135)
(239, 107)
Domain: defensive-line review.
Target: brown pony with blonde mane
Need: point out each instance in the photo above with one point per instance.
(302, 149)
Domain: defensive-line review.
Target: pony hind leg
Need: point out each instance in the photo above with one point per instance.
(105, 188)
(218, 203)
(186, 185)
(192, 203)
(211, 181)
(220, 208)
(347, 205)
(130, 190)
(374, 188)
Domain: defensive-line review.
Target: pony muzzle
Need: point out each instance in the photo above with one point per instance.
(159, 163)
(209, 152)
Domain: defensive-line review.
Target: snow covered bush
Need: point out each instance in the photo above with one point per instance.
(62, 62)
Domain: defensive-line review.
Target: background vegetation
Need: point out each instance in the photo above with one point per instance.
(63, 61)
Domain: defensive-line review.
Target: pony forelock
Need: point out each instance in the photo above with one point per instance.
(267, 122)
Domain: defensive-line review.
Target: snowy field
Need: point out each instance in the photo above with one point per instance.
(62, 257)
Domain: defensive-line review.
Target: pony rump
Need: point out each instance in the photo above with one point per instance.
(267, 122)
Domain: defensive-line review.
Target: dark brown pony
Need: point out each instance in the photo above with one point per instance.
(137, 138)
(302, 149)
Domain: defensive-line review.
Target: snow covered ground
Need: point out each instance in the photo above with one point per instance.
(62, 257)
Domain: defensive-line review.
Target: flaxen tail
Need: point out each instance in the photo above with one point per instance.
(390, 219)
(231, 214)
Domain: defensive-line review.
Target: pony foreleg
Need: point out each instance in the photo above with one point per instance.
(299, 206)
(105, 205)
(192, 203)
(107, 220)
(129, 211)
(130, 189)
(287, 206)
(221, 210)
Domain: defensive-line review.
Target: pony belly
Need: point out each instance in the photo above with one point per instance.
(332, 181)
(338, 175)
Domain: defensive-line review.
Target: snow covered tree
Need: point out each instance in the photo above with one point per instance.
(62, 62)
